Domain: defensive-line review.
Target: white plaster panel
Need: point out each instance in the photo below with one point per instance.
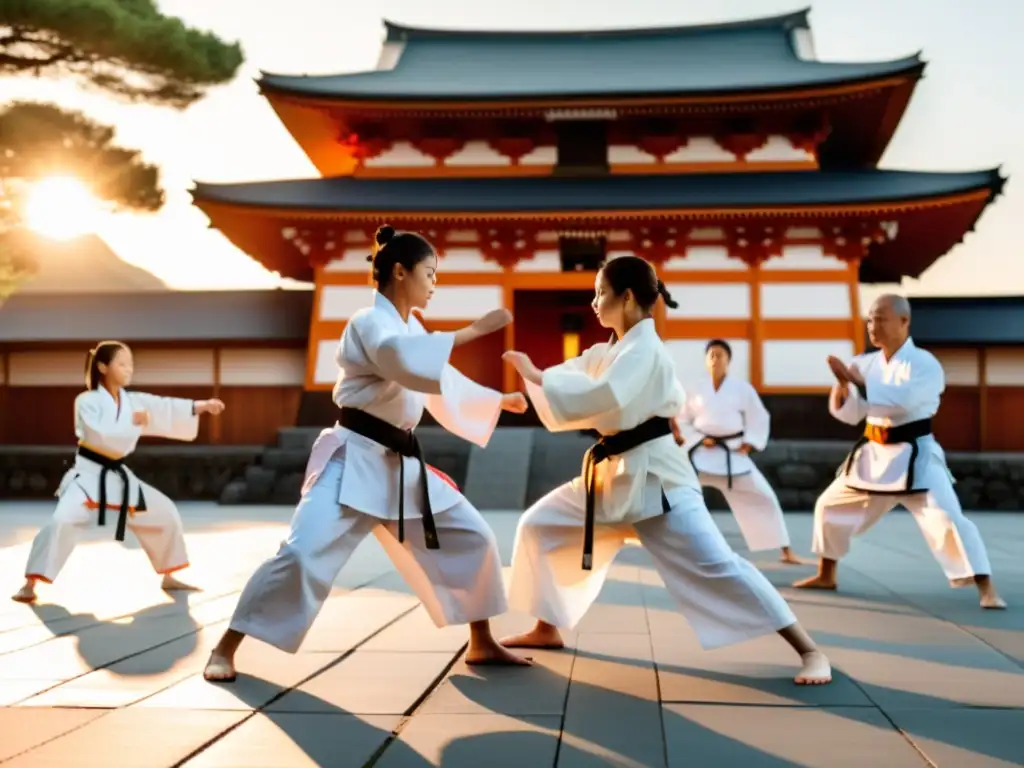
(155, 367)
(262, 367)
(688, 356)
(707, 233)
(340, 302)
(803, 232)
(401, 154)
(622, 154)
(326, 369)
(619, 236)
(802, 363)
(701, 149)
(540, 156)
(706, 257)
(47, 369)
(818, 301)
(457, 302)
(804, 257)
(1004, 367)
(352, 260)
(710, 301)
(466, 260)
(542, 261)
(478, 153)
(462, 236)
(779, 149)
(961, 366)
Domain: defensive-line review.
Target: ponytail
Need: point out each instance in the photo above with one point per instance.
(103, 353)
(666, 296)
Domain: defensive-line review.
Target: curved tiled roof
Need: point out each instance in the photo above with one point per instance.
(606, 193)
(451, 65)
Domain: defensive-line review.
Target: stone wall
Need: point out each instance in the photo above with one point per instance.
(798, 470)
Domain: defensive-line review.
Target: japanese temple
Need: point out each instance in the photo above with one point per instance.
(727, 154)
(743, 167)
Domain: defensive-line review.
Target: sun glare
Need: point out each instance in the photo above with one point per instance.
(61, 208)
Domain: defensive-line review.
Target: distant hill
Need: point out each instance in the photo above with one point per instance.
(84, 265)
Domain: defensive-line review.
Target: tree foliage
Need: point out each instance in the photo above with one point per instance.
(125, 47)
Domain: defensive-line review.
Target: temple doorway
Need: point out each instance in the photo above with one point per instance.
(552, 326)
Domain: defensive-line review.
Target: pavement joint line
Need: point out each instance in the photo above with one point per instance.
(409, 713)
(657, 673)
(565, 701)
(930, 614)
(285, 691)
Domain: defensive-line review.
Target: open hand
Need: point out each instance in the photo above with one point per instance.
(140, 418)
(214, 407)
(839, 369)
(493, 321)
(514, 402)
(856, 377)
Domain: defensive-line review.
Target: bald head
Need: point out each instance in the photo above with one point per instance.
(899, 305)
(889, 322)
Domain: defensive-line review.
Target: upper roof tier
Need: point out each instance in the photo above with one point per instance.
(435, 65)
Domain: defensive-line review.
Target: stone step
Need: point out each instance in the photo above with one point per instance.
(497, 476)
(297, 438)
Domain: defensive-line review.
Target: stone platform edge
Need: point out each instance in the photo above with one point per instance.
(798, 470)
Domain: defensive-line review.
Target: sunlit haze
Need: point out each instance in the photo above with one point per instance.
(62, 208)
(966, 113)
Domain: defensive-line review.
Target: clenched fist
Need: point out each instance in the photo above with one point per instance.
(493, 321)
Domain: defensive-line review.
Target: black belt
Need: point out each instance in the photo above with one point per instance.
(606, 447)
(404, 443)
(904, 433)
(117, 467)
(722, 443)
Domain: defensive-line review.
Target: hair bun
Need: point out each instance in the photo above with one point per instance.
(384, 235)
(369, 257)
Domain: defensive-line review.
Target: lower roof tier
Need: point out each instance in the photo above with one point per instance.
(932, 211)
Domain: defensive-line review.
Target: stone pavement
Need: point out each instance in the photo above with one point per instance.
(105, 671)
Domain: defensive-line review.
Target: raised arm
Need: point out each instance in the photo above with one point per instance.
(756, 420)
(114, 441)
(569, 398)
(174, 418)
(465, 408)
(416, 360)
(846, 404)
(896, 398)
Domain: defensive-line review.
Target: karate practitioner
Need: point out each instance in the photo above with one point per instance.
(366, 475)
(722, 422)
(636, 482)
(109, 420)
(896, 389)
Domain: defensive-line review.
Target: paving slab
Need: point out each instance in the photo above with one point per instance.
(130, 738)
(781, 737)
(298, 741)
(108, 665)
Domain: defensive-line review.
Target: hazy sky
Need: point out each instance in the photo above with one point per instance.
(966, 114)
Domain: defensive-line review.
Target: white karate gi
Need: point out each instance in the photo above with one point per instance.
(735, 408)
(905, 389)
(105, 427)
(611, 388)
(391, 370)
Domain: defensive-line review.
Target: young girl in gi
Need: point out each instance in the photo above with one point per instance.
(366, 475)
(636, 482)
(109, 420)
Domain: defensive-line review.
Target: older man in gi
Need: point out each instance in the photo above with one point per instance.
(896, 390)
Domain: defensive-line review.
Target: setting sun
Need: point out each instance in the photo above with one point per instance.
(62, 208)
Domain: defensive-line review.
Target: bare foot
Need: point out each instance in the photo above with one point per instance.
(493, 654)
(219, 669)
(541, 636)
(790, 558)
(815, 582)
(27, 594)
(172, 584)
(815, 670)
(989, 600)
